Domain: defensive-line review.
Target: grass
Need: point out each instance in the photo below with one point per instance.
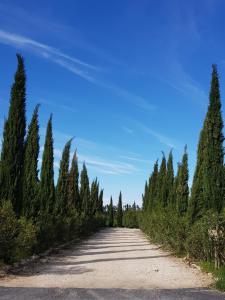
(219, 274)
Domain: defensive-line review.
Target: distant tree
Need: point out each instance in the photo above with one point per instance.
(170, 178)
(111, 213)
(100, 201)
(73, 184)
(61, 204)
(119, 214)
(94, 196)
(13, 141)
(46, 187)
(162, 183)
(182, 189)
(85, 191)
(30, 169)
(153, 188)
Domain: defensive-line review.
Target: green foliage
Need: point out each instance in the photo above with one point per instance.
(85, 192)
(73, 185)
(219, 274)
(111, 213)
(8, 231)
(182, 189)
(208, 183)
(30, 169)
(119, 213)
(13, 141)
(130, 217)
(61, 205)
(162, 184)
(26, 239)
(46, 187)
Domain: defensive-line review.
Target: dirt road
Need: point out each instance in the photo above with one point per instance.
(112, 264)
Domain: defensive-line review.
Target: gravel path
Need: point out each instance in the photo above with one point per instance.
(112, 264)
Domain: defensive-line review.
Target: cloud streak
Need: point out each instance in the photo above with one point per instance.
(165, 140)
(77, 66)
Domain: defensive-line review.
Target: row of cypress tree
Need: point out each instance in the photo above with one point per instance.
(175, 215)
(33, 197)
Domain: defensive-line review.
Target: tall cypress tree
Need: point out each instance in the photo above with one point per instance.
(145, 197)
(73, 192)
(182, 189)
(100, 201)
(46, 187)
(152, 193)
(213, 189)
(13, 141)
(119, 214)
(30, 168)
(94, 196)
(170, 178)
(85, 191)
(111, 213)
(61, 203)
(162, 183)
(208, 184)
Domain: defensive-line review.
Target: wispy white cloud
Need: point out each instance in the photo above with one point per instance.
(58, 105)
(127, 130)
(43, 49)
(137, 159)
(165, 140)
(76, 66)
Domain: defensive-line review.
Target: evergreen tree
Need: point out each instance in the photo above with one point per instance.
(170, 178)
(73, 192)
(62, 205)
(182, 190)
(46, 187)
(94, 196)
(13, 141)
(213, 185)
(119, 214)
(153, 187)
(100, 202)
(111, 213)
(162, 183)
(208, 183)
(30, 169)
(145, 197)
(85, 191)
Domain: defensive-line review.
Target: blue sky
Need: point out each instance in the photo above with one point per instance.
(128, 79)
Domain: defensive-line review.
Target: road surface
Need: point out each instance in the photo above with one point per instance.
(115, 263)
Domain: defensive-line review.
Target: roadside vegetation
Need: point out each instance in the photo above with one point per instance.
(192, 222)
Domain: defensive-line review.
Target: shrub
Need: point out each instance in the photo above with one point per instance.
(8, 231)
(25, 240)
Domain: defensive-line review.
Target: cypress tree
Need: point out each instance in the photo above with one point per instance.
(30, 169)
(46, 187)
(162, 183)
(61, 203)
(182, 190)
(111, 213)
(73, 192)
(100, 202)
(94, 196)
(13, 141)
(119, 214)
(145, 197)
(213, 188)
(170, 178)
(85, 191)
(152, 193)
(208, 184)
